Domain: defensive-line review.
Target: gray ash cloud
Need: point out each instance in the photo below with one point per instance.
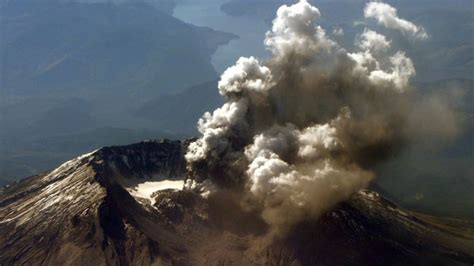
(305, 130)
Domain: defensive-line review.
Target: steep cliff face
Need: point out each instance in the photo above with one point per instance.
(124, 205)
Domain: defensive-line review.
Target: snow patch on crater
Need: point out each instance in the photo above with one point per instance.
(146, 189)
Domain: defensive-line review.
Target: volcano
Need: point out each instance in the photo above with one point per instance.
(125, 205)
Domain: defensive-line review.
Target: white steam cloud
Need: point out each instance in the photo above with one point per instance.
(387, 16)
(338, 31)
(304, 130)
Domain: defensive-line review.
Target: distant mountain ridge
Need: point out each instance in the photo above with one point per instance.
(130, 48)
(73, 68)
(163, 5)
(180, 112)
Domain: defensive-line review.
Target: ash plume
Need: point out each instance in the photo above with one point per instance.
(387, 16)
(305, 129)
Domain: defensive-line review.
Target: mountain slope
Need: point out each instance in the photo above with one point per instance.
(100, 209)
(83, 67)
(180, 112)
(53, 46)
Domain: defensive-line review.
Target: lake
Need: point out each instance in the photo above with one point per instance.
(251, 30)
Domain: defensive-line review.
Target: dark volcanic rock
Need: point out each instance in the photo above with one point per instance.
(84, 213)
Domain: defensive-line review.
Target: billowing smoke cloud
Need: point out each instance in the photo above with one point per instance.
(304, 130)
(387, 16)
(338, 31)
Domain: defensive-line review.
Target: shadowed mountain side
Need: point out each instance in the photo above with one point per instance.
(131, 47)
(437, 179)
(180, 112)
(166, 6)
(72, 69)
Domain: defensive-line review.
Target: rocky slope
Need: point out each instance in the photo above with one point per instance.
(113, 206)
